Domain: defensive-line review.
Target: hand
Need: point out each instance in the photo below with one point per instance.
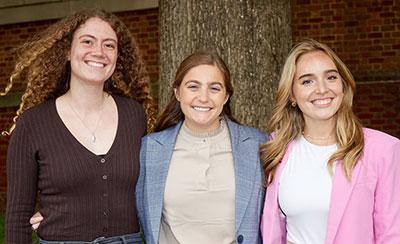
(35, 220)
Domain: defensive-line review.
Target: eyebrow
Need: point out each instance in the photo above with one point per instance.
(326, 72)
(93, 37)
(211, 83)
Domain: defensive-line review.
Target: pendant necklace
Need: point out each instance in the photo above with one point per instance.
(93, 138)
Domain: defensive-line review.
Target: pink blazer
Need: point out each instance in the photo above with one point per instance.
(365, 210)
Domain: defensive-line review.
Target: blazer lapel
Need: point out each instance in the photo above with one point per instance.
(244, 152)
(159, 153)
(275, 232)
(341, 193)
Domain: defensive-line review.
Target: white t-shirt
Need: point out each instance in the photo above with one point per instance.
(304, 192)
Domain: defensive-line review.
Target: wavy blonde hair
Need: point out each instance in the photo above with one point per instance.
(42, 63)
(287, 121)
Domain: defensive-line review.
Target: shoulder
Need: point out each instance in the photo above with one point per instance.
(248, 131)
(378, 139)
(167, 135)
(35, 118)
(131, 111)
(380, 147)
(42, 111)
(125, 102)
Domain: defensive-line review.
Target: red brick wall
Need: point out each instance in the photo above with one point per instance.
(366, 35)
(143, 25)
(377, 105)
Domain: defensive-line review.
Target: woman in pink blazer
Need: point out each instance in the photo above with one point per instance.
(329, 180)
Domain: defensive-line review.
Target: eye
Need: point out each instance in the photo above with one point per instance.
(332, 77)
(215, 88)
(306, 82)
(193, 86)
(110, 46)
(87, 42)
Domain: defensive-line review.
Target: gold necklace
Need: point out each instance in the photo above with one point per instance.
(93, 138)
(319, 139)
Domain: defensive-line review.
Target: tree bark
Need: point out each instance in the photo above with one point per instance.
(252, 36)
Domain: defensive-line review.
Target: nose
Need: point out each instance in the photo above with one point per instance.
(203, 95)
(98, 50)
(321, 87)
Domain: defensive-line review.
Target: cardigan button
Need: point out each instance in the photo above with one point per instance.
(240, 239)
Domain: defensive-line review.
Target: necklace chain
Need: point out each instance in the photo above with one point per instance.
(316, 138)
(319, 139)
(93, 138)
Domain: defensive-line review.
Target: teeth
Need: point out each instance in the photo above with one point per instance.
(201, 109)
(95, 64)
(322, 101)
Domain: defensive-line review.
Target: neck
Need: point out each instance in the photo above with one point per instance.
(86, 98)
(321, 133)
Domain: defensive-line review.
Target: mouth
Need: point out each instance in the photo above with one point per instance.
(95, 64)
(201, 109)
(322, 101)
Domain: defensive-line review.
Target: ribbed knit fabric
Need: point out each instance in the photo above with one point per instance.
(82, 195)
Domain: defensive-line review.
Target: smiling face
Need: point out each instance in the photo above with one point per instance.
(93, 52)
(202, 95)
(317, 87)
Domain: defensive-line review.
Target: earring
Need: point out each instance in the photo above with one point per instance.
(294, 104)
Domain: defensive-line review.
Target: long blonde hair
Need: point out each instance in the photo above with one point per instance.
(287, 121)
(42, 64)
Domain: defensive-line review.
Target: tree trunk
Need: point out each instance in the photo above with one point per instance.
(252, 36)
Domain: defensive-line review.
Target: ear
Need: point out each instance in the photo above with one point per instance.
(69, 56)
(176, 92)
(293, 102)
(226, 98)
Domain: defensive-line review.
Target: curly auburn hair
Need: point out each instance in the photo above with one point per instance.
(42, 63)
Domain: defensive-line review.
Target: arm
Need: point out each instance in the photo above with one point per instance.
(21, 185)
(140, 185)
(387, 197)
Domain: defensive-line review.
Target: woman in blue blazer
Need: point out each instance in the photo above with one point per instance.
(200, 173)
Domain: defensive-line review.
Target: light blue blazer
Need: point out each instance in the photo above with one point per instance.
(155, 157)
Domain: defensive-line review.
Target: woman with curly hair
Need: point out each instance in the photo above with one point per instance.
(77, 134)
(329, 180)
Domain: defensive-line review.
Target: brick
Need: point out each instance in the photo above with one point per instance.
(375, 35)
(388, 28)
(327, 25)
(365, 115)
(350, 23)
(396, 46)
(303, 1)
(387, 15)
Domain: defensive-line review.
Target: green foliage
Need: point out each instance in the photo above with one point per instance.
(35, 239)
(2, 230)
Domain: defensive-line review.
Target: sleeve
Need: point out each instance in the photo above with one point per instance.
(21, 185)
(387, 197)
(140, 185)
